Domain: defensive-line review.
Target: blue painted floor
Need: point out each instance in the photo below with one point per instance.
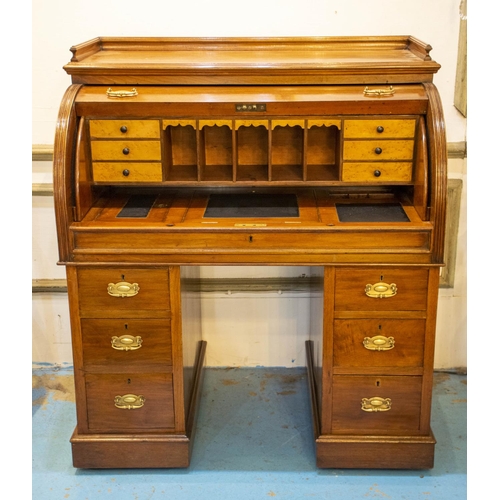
(254, 441)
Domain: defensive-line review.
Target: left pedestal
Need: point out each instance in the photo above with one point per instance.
(136, 388)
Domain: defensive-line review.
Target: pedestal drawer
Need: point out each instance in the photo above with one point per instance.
(381, 289)
(126, 345)
(123, 293)
(388, 343)
(129, 402)
(376, 405)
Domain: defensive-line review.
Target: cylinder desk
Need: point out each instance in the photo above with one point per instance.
(173, 153)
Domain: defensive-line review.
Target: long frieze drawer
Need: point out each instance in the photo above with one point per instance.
(126, 150)
(378, 150)
(381, 289)
(382, 129)
(375, 343)
(128, 344)
(282, 244)
(130, 402)
(127, 172)
(135, 129)
(377, 172)
(376, 405)
(123, 293)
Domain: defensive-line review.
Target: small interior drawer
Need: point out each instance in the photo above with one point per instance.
(126, 150)
(377, 172)
(148, 402)
(376, 405)
(123, 293)
(126, 344)
(375, 343)
(127, 172)
(378, 150)
(379, 128)
(381, 289)
(134, 129)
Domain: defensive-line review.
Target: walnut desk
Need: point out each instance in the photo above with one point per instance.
(179, 152)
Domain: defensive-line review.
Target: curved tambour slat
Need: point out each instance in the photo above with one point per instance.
(438, 174)
(64, 152)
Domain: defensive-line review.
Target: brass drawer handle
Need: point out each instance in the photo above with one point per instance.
(129, 402)
(126, 343)
(379, 343)
(381, 290)
(376, 404)
(379, 92)
(121, 93)
(123, 289)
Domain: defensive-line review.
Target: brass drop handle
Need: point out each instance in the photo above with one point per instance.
(126, 342)
(379, 92)
(379, 343)
(121, 93)
(381, 290)
(129, 402)
(376, 404)
(123, 289)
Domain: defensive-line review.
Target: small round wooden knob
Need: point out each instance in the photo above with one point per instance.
(126, 151)
(380, 129)
(126, 173)
(123, 128)
(377, 173)
(378, 151)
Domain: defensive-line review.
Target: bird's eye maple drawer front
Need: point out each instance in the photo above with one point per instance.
(127, 172)
(364, 343)
(126, 150)
(381, 289)
(124, 129)
(376, 404)
(383, 128)
(123, 293)
(131, 344)
(378, 150)
(130, 402)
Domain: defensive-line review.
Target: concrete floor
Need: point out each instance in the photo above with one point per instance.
(254, 441)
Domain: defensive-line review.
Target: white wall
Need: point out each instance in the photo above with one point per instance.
(252, 329)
